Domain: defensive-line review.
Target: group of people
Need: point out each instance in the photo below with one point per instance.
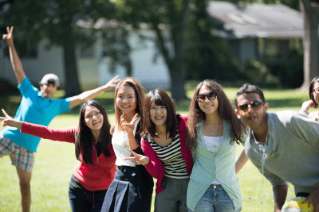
(192, 157)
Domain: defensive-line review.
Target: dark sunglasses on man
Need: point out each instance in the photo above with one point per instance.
(256, 105)
(210, 96)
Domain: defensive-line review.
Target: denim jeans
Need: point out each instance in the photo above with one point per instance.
(81, 201)
(215, 199)
(173, 198)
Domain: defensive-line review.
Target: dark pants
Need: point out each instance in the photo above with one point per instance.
(127, 194)
(86, 201)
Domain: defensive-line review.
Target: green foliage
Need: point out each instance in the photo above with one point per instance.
(289, 70)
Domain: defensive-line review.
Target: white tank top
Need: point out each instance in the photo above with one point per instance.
(121, 146)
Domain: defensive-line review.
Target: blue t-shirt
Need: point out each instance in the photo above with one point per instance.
(34, 108)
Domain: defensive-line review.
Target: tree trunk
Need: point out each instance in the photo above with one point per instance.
(178, 79)
(72, 86)
(310, 42)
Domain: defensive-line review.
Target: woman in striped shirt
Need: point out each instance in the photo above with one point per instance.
(166, 156)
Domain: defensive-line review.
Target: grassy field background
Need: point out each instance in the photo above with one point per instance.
(54, 161)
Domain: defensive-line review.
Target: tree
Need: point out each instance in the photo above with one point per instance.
(168, 20)
(310, 41)
(55, 20)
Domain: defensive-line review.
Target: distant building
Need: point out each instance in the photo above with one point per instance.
(257, 30)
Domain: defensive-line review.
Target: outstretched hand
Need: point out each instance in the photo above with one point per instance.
(9, 36)
(307, 104)
(128, 127)
(314, 197)
(113, 82)
(9, 121)
(138, 159)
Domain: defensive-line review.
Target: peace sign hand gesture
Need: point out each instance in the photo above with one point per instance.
(9, 36)
(9, 121)
(129, 127)
(138, 159)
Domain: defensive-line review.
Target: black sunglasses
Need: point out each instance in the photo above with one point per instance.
(211, 96)
(256, 105)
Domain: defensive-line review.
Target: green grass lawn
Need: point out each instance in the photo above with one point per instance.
(54, 161)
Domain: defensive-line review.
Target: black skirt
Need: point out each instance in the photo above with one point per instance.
(130, 191)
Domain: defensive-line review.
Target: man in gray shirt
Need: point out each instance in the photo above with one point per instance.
(284, 146)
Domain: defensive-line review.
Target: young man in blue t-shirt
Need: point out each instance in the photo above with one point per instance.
(37, 106)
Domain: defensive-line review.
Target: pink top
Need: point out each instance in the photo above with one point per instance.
(155, 167)
(93, 177)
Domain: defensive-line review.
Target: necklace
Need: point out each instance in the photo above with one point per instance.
(218, 123)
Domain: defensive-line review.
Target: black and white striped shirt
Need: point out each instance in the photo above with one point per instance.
(171, 157)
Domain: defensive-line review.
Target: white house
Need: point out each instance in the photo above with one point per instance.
(92, 66)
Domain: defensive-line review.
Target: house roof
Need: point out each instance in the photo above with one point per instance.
(255, 20)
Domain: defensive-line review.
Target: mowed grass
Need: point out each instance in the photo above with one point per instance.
(54, 161)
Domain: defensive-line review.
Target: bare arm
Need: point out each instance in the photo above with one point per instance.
(314, 196)
(14, 58)
(280, 194)
(241, 161)
(9, 121)
(91, 94)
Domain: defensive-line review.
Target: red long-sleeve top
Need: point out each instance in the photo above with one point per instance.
(93, 177)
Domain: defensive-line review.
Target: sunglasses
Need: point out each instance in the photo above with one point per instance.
(256, 105)
(316, 90)
(210, 96)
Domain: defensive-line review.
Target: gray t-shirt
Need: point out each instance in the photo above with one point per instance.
(291, 151)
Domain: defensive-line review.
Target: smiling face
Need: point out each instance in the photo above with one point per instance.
(126, 99)
(207, 106)
(93, 118)
(158, 114)
(47, 90)
(254, 118)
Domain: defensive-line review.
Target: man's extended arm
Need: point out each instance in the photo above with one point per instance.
(91, 94)
(14, 58)
(280, 194)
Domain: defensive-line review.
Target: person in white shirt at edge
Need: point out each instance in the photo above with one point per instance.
(314, 100)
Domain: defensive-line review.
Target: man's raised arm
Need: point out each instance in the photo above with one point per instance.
(14, 58)
(91, 94)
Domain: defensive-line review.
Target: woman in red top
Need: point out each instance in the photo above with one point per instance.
(96, 159)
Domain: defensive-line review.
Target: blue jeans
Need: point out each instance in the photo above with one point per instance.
(215, 199)
(81, 201)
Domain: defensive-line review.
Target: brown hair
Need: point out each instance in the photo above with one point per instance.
(311, 87)
(160, 97)
(139, 95)
(225, 111)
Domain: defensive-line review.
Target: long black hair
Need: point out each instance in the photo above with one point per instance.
(84, 137)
